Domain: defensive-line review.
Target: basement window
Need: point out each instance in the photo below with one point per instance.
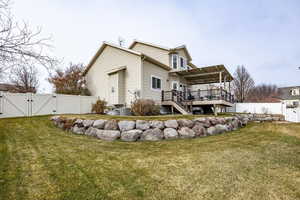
(155, 83)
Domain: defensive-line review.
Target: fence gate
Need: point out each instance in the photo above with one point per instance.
(15, 104)
(42, 104)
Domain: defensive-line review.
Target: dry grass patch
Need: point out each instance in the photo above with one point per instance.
(40, 161)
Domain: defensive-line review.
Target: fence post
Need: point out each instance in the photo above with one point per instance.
(1, 102)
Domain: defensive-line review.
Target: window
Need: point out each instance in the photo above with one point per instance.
(174, 61)
(295, 92)
(175, 85)
(155, 83)
(182, 63)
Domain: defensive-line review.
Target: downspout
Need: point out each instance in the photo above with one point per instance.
(142, 76)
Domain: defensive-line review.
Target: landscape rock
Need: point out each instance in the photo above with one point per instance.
(204, 121)
(126, 125)
(199, 130)
(79, 122)
(212, 131)
(91, 131)
(87, 123)
(152, 135)
(170, 133)
(185, 123)
(99, 123)
(108, 135)
(186, 132)
(157, 124)
(111, 125)
(171, 123)
(131, 136)
(220, 128)
(142, 124)
(78, 130)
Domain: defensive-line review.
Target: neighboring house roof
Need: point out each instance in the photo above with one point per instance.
(170, 50)
(286, 94)
(145, 57)
(4, 87)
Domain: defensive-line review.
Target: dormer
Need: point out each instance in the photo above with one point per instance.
(177, 58)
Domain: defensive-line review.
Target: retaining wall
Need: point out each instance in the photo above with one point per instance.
(142, 130)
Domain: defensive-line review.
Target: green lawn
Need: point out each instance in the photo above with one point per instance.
(39, 161)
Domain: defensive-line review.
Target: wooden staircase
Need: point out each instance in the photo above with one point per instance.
(179, 103)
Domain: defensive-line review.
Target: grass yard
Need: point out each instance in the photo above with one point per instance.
(39, 161)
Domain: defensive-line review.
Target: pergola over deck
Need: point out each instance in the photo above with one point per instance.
(205, 75)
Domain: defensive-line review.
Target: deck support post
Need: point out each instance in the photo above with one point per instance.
(172, 109)
(220, 79)
(215, 110)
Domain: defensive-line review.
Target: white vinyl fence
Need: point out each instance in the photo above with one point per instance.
(290, 114)
(29, 104)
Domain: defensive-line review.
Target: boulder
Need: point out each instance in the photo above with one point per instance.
(186, 132)
(171, 123)
(170, 133)
(185, 123)
(142, 124)
(78, 122)
(87, 123)
(131, 136)
(157, 124)
(152, 135)
(111, 125)
(204, 121)
(199, 130)
(99, 123)
(213, 121)
(108, 135)
(78, 130)
(91, 131)
(220, 128)
(221, 120)
(212, 131)
(126, 125)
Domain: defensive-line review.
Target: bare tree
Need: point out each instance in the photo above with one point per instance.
(263, 93)
(242, 83)
(24, 79)
(19, 45)
(69, 81)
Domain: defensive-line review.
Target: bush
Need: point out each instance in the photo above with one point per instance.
(99, 106)
(143, 107)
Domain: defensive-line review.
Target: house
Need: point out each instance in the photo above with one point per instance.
(290, 95)
(149, 71)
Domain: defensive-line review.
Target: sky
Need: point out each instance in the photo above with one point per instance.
(262, 35)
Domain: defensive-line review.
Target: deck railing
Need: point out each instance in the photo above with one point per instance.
(197, 95)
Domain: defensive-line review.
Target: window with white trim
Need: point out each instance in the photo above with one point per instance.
(155, 83)
(182, 62)
(174, 61)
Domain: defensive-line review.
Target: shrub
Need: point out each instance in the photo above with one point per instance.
(99, 106)
(143, 107)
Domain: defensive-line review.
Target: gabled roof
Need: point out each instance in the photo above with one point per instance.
(170, 50)
(145, 57)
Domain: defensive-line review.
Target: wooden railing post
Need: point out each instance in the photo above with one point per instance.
(162, 95)
(172, 95)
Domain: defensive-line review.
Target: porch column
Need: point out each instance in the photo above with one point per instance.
(220, 79)
(225, 82)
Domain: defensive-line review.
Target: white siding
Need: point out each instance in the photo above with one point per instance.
(112, 58)
(149, 70)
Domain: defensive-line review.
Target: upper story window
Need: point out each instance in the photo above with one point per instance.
(155, 83)
(174, 61)
(183, 63)
(295, 92)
